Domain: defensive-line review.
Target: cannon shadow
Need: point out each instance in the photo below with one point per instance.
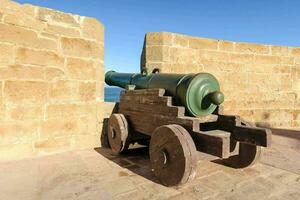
(135, 159)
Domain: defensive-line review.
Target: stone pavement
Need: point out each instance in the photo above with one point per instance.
(96, 174)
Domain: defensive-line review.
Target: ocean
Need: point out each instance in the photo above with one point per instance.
(112, 94)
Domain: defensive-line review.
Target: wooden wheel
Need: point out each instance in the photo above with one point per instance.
(173, 155)
(118, 133)
(247, 155)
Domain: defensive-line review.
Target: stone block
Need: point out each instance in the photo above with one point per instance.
(86, 141)
(180, 40)
(17, 92)
(7, 52)
(22, 72)
(87, 91)
(52, 74)
(52, 145)
(295, 52)
(251, 48)
(279, 51)
(271, 60)
(161, 38)
(70, 111)
(288, 60)
(26, 112)
(186, 55)
(53, 16)
(226, 46)
(59, 128)
(81, 69)
(82, 48)
(241, 58)
(63, 90)
(13, 132)
(213, 55)
(39, 57)
(202, 43)
(104, 110)
(24, 37)
(22, 19)
(61, 30)
(93, 29)
(157, 53)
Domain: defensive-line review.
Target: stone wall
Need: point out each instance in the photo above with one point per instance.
(261, 82)
(51, 81)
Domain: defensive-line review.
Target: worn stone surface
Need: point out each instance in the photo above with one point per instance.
(260, 82)
(94, 174)
(48, 96)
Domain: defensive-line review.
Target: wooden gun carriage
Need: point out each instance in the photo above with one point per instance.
(149, 117)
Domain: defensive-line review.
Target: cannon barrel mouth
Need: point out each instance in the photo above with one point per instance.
(108, 76)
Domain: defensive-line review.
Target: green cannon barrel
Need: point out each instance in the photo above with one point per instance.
(198, 93)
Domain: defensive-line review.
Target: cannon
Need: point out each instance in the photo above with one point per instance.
(199, 101)
(178, 116)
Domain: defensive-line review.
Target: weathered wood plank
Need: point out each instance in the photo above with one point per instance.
(216, 143)
(252, 135)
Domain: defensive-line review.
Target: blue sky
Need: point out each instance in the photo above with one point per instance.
(127, 21)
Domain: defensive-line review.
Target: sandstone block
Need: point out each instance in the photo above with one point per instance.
(180, 40)
(52, 74)
(202, 43)
(87, 91)
(24, 20)
(226, 46)
(186, 55)
(2, 111)
(164, 67)
(22, 72)
(25, 92)
(272, 60)
(86, 141)
(279, 51)
(104, 110)
(58, 127)
(157, 53)
(53, 16)
(26, 112)
(82, 48)
(295, 52)
(213, 55)
(36, 57)
(12, 132)
(81, 69)
(296, 115)
(242, 58)
(162, 38)
(70, 111)
(60, 30)
(282, 69)
(7, 52)
(24, 37)
(53, 128)
(93, 29)
(63, 90)
(52, 145)
(288, 60)
(251, 48)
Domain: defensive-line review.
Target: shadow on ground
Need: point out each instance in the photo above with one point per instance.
(134, 159)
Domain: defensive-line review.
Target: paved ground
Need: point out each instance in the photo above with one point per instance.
(96, 174)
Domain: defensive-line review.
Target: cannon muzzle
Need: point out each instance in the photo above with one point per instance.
(199, 93)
